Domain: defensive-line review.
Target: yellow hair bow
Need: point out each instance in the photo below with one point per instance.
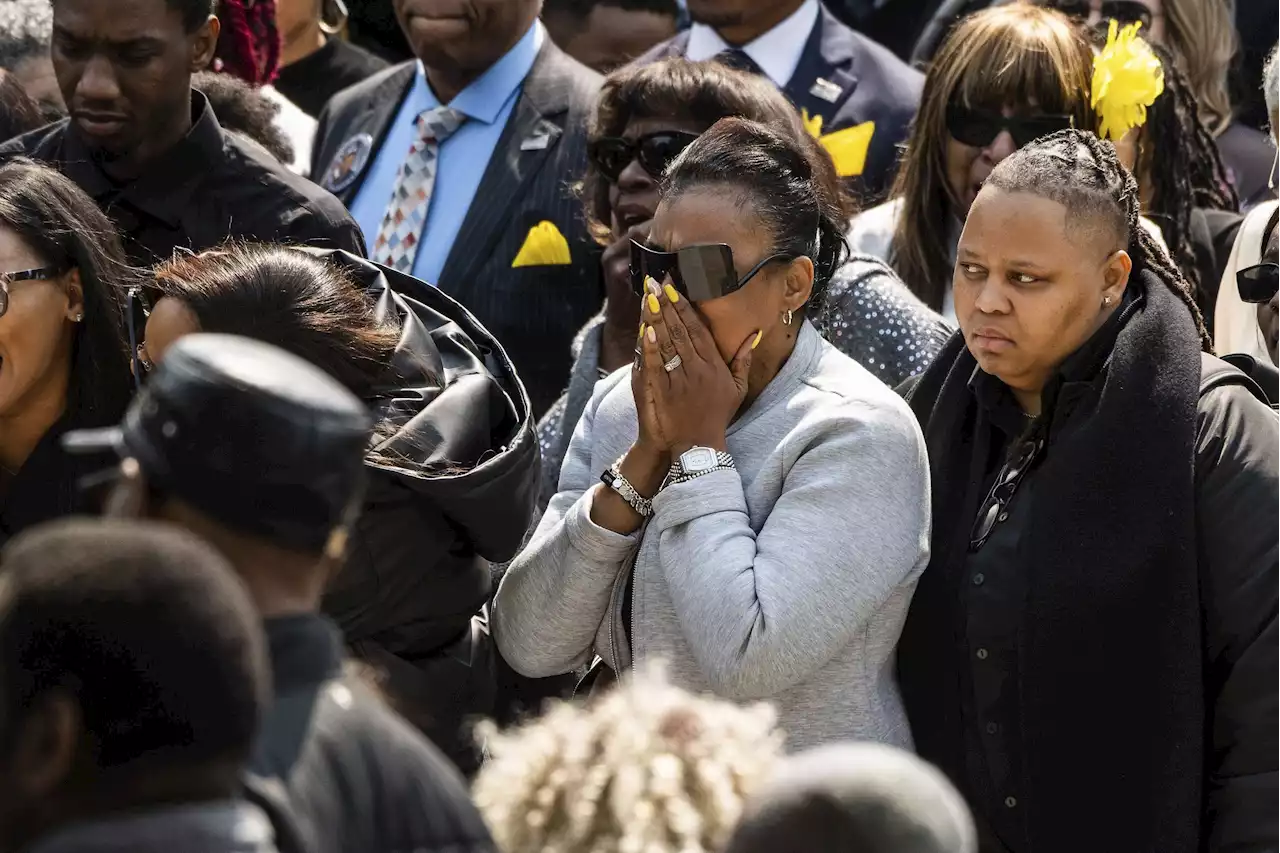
(1127, 78)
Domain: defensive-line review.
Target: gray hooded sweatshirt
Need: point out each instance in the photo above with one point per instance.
(787, 579)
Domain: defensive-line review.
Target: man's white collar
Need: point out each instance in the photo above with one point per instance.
(777, 52)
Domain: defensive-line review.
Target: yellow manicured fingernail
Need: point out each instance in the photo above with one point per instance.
(651, 285)
(671, 294)
(650, 336)
(756, 342)
(642, 330)
(653, 304)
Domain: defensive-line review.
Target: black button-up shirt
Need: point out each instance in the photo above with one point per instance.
(993, 597)
(211, 186)
(995, 588)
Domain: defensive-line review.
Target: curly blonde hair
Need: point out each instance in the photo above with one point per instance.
(646, 768)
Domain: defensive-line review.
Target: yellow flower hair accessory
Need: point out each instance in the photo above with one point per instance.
(1127, 78)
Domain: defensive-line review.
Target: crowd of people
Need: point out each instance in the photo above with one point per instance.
(639, 426)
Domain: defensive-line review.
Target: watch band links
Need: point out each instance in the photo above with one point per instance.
(677, 474)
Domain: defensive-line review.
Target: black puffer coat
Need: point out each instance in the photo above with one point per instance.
(453, 482)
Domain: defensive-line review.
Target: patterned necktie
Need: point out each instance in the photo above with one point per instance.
(737, 58)
(401, 230)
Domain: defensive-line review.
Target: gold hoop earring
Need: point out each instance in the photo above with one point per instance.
(339, 10)
(786, 317)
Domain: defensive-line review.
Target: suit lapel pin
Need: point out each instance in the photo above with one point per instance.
(348, 163)
(537, 142)
(826, 90)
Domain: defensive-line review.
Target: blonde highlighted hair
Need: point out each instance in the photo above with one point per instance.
(646, 768)
(1003, 56)
(1202, 37)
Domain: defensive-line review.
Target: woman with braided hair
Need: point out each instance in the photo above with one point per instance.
(249, 48)
(1097, 621)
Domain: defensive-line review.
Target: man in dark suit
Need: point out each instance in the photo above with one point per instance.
(458, 168)
(825, 68)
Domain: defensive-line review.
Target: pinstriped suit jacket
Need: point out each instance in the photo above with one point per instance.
(533, 311)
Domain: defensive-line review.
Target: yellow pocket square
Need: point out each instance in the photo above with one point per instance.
(848, 147)
(544, 246)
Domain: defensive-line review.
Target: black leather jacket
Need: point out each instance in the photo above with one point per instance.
(454, 475)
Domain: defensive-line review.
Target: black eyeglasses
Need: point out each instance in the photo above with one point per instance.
(698, 273)
(1124, 11)
(8, 278)
(136, 314)
(978, 128)
(994, 507)
(655, 151)
(1258, 283)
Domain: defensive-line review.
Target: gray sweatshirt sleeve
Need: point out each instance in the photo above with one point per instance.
(556, 592)
(764, 611)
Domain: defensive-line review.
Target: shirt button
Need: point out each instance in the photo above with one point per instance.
(982, 654)
(992, 728)
(979, 579)
(1011, 802)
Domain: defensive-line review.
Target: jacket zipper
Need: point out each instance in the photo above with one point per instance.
(629, 576)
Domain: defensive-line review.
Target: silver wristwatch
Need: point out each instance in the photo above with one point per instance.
(696, 461)
(613, 478)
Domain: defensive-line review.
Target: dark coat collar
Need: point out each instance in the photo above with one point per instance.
(165, 188)
(305, 649)
(828, 63)
(1068, 382)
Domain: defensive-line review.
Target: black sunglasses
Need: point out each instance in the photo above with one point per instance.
(1124, 11)
(978, 128)
(136, 314)
(1006, 483)
(698, 273)
(655, 151)
(1258, 283)
(8, 278)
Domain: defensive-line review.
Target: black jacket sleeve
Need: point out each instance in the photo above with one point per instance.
(1237, 507)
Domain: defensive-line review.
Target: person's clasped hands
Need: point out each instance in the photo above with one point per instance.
(686, 395)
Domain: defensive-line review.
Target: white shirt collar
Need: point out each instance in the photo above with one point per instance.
(777, 52)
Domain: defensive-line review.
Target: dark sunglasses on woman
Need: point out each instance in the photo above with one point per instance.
(979, 128)
(698, 273)
(655, 151)
(1124, 11)
(1258, 283)
(8, 278)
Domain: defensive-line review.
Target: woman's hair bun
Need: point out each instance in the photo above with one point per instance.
(788, 176)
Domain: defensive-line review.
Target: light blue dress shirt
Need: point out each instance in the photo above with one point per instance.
(487, 103)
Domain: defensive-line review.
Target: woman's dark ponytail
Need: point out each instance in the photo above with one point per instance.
(792, 183)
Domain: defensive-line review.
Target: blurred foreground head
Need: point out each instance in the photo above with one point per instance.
(645, 767)
(252, 448)
(132, 674)
(855, 798)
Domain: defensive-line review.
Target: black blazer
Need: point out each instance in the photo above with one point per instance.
(847, 79)
(534, 311)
